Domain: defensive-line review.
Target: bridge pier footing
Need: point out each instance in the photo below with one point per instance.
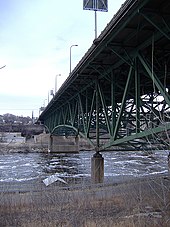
(50, 143)
(97, 168)
(61, 144)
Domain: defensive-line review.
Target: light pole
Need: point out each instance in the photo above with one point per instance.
(56, 82)
(44, 102)
(2, 67)
(70, 55)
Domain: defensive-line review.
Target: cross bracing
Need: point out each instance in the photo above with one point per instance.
(118, 94)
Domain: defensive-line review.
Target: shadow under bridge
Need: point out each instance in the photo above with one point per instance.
(118, 94)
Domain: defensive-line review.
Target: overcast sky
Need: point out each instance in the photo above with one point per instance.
(35, 40)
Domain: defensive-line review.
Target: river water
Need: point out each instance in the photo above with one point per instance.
(23, 167)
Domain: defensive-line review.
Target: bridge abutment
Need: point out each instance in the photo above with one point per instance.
(97, 168)
(61, 144)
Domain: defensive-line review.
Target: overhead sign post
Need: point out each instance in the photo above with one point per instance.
(96, 5)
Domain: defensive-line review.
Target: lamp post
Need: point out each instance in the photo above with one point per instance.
(56, 82)
(44, 103)
(2, 67)
(70, 55)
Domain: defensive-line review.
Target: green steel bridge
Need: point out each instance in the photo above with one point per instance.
(118, 95)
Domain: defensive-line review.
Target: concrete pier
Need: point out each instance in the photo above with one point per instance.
(97, 168)
(61, 144)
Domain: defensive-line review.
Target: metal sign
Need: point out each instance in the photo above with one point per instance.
(96, 5)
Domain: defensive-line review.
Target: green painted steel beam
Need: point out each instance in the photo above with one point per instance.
(97, 117)
(140, 135)
(154, 23)
(123, 103)
(122, 58)
(155, 80)
(113, 102)
(82, 114)
(105, 109)
(91, 113)
(137, 93)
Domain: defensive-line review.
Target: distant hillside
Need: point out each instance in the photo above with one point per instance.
(10, 118)
(25, 125)
(27, 130)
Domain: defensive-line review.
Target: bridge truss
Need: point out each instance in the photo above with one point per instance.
(119, 93)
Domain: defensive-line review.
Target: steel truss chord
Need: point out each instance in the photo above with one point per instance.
(155, 79)
(154, 24)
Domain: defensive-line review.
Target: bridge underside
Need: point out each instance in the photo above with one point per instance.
(118, 94)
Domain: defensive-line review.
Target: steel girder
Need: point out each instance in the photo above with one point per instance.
(118, 95)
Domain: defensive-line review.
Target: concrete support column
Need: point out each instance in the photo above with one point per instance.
(77, 140)
(97, 168)
(50, 143)
(59, 144)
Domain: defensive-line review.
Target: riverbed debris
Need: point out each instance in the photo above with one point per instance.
(53, 178)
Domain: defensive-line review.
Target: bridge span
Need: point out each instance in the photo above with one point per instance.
(118, 95)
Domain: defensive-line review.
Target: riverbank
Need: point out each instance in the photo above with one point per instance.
(134, 202)
(29, 146)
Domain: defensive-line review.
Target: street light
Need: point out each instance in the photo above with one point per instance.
(2, 67)
(44, 102)
(56, 82)
(70, 55)
(50, 92)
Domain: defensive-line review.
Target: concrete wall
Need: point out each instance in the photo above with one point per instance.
(61, 144)
(12, 138)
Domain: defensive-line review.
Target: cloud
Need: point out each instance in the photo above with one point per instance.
(35, 42)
